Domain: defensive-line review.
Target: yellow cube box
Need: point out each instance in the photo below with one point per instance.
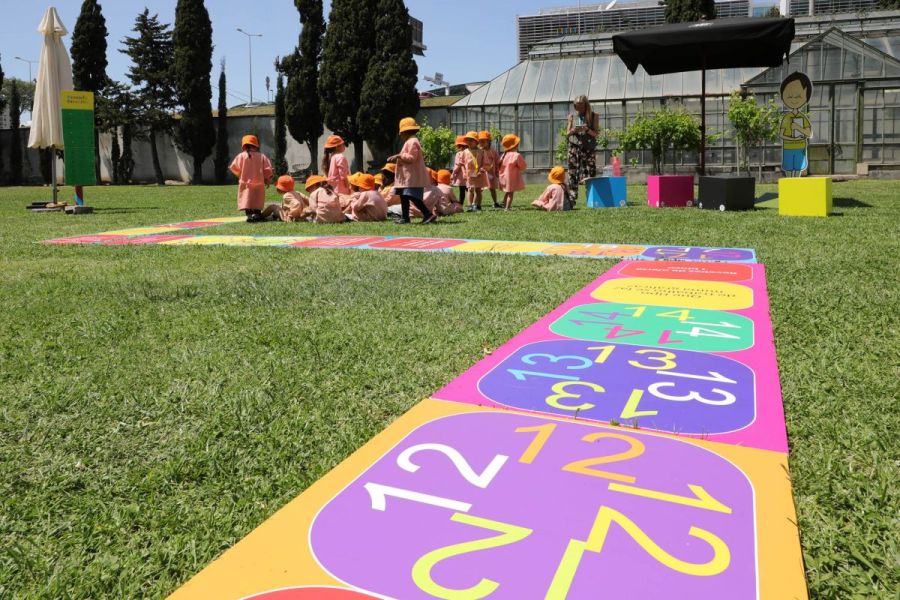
(804, 196)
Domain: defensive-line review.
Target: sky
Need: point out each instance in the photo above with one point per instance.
(467, 40)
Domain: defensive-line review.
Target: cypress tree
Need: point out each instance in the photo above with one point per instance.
(2, 106)
(301, 101)
(684, 11)
(349, 43)
(152, 55)
(89, 59)
(389, 89)
(222, 156)
(15, 149)
(192, 36)
(281, 166)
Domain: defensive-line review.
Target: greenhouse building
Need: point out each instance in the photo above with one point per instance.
(854, 111)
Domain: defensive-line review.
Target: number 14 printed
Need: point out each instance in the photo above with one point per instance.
(499, 505)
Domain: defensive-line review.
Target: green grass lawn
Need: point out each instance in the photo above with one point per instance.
(158, 403)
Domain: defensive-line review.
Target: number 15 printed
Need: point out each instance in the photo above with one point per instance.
(499, 505)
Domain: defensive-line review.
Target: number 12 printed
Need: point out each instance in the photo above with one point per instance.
(500, 505)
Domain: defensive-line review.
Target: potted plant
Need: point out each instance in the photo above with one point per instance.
(668, 129)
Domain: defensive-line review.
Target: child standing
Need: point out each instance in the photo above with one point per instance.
(335, 165)
(491, 163)
(476, 177)
(556, 193)
(324, 206)
(254, 173)
(458, 176)
(366, 203)
(412, 175)
(511, 166)
(449, 204)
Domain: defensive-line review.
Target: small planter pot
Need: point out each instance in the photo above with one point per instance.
(670, 191)
(726, 192)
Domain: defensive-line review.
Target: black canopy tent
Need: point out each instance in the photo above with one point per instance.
(717, 44)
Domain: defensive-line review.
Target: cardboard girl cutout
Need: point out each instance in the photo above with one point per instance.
(795, 130)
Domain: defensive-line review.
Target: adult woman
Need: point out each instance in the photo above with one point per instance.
(582, 129)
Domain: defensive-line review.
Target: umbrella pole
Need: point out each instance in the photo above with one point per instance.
(53, 174)
(703, 122)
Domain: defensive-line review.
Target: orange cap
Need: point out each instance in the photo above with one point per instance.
(363, 181)
(433, 174)
(408, 124)
(485, 136)
(472, 135)
(250, 140)
(390, 167)
(285, 184)
(557, 175)
(510, 141)
(443, 176)
(379, 179)
(461, 140)
(334, 141)
(314, 180)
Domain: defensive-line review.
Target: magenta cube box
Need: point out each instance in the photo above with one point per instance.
(670, 190)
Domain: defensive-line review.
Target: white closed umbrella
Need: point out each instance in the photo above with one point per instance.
(54, 75)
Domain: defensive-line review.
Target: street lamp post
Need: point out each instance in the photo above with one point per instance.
(250, 37)
(30, 62)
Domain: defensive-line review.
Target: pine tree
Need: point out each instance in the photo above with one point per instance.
(683, 11)
(222, 155)
(89, 59)
(281, 166)
(192, 35)
(301, 100)
(382, 104)
(152, 55)
(15, 149)
(349, 43)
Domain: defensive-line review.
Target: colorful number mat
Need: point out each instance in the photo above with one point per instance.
(510, 484)
(175, 234)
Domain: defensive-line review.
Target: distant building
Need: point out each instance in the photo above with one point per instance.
(418, 41)
(627, 15)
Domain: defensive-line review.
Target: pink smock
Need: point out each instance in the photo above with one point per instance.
(511, 166)
(492, 166)
(449, 204)
(253, 171)
(368, 206)
(294, 206)
(324, 207)
(338, 172)
(552, 198)
(476, 177)
(432, 197)
(458, 174)
(411, 169)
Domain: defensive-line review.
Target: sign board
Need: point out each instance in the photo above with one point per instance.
(78, 135)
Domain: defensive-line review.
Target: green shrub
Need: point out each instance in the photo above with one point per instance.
(438, 145)
(668, 129)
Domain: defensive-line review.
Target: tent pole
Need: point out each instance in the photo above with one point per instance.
(703, 122)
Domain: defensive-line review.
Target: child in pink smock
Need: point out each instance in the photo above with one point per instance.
(511, 166)
(476, 176)
(412, 174)
(335, 165)
(491, 163)
(458, 174)
(449, 204)
(324, 206)
(366, 204)
(432, 195)
(254, 173)
(294, 205)
(387, 184)
(555, 194)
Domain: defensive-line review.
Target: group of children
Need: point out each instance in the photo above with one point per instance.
(405, 187)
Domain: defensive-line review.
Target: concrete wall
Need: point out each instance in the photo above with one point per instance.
(176, 165)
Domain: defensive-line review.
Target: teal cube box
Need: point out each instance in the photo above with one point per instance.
(606, 192)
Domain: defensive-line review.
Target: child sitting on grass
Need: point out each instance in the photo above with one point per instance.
(254, 173)
(293, 205)
(449, 205)
(366, 204)
(555, 194)
(324, 206)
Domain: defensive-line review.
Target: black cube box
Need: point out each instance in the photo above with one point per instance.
(726, 192)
